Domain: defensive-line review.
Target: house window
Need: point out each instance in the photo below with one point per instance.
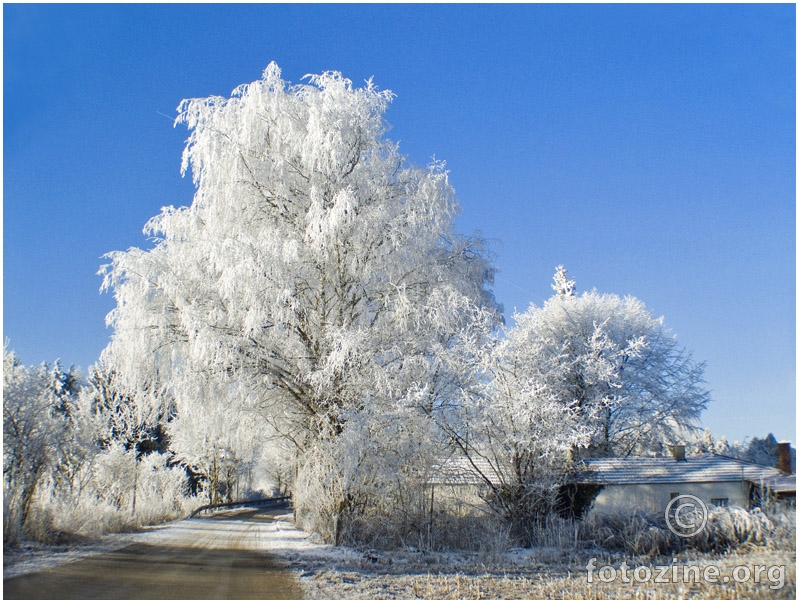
(720, 502)
(673, 495)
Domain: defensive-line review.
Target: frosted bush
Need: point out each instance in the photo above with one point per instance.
(730, 528)
(162, 490)
(114, 476)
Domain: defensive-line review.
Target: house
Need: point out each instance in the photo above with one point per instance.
(649, 483)
(646, 483)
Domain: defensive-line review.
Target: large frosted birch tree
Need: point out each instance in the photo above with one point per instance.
(316, 276)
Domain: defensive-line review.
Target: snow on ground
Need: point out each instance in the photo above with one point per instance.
(262, 531)
(281, 538)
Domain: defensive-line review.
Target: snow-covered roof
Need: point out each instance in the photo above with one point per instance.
(782, 484)
(666, 470)
(459, 471)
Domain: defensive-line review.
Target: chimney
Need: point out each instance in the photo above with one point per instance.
(678, 452)
(784, 451)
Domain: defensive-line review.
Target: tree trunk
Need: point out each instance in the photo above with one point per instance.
(135, 482)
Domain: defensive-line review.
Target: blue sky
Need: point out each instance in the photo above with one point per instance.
(648, 148)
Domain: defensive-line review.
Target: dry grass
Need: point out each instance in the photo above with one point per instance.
(728, 529)
(556, 567)
(544, 574)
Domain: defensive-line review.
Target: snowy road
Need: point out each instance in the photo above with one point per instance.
(225, 557)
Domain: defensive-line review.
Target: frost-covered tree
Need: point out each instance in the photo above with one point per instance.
(609, 362)
(589, 374)
(702, 442)
(65, 388)
(78, 425)
(315, 271)
(219, 437)
(131, 418)
(77, 444)
(525, 434)
(29, 437)
(763, 451)
(68, 468)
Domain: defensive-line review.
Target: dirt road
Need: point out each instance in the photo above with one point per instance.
(213, 558)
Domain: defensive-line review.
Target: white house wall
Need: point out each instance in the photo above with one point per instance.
(655, 497)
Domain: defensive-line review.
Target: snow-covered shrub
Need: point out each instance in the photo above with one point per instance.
(162, 490)
(106, 503)
(471, 531)
(89, 517)
(115, 471)
(731, 528)
(727, 529)
(147, 490)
